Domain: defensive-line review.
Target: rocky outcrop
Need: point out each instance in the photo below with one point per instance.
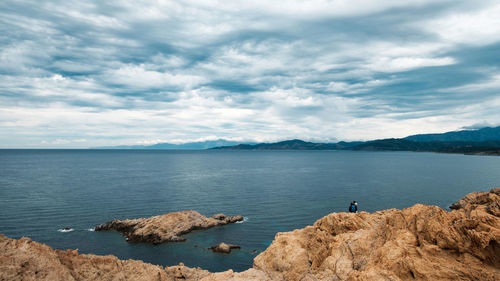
(224, 248)
(418, 243)
(421, 242)
(27, 260)
(165, 228)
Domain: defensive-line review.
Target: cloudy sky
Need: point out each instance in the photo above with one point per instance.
(93, 73)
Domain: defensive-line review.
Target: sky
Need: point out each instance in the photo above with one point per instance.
(77, 74)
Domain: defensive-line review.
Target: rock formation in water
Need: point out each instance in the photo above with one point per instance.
(165, 228)
(224, 248)
(418, 243)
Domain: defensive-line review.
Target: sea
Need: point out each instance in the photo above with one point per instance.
(42, 192)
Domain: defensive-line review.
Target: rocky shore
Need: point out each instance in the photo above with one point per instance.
(165, 228)
(418, 243)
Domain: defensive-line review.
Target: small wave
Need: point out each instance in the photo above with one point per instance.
(244, 220)
(65, 230)
(91, 229)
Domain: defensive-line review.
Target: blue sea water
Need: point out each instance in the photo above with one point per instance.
(44, 191)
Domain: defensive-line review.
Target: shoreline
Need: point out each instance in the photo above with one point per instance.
(420, 242)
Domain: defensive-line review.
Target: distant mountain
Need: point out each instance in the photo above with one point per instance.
(189, 145)
(482, 141)
(481, 135)
(291, 145)
(485, 147)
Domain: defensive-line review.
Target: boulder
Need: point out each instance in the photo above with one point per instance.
(224, 248)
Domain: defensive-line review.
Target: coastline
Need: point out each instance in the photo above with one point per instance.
(421, 242)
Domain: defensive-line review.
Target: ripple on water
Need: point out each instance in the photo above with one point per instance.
(245, 219)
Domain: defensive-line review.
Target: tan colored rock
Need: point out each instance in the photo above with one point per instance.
(24, 259)
(421, 242)
(224, 248)
(418, 243)
(165, 228)
(247, 275)
(181, 272)
(27, 260)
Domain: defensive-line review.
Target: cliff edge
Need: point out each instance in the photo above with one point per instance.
(417, 243)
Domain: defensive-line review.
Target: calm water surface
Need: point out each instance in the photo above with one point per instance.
(42, 191)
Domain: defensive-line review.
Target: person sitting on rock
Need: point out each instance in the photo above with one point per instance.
(353, 208)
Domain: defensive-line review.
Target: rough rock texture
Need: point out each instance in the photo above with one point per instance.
(165, 228)
(224, 248)
(418, 243)
(26, 260)
(421, 242)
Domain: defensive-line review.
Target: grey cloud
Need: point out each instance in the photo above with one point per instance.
(243, 71)
(478, 126)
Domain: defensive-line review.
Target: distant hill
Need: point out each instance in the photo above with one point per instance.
(189, 145)
(292, 145)
(481, 135)
(485, 147)
(483, 141)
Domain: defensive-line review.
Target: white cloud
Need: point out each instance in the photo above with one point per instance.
(64, 141)
(407, 63)
(151, 141)
(312, 8)
(152, 71)
(137, 77)
(21, 57)
(473, 27)
(355, 88)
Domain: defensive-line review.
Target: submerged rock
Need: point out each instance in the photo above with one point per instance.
(224, 248)
(418, 243)
(165, 228)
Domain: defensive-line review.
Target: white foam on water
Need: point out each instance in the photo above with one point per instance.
(244, 220)
(91, 229)
(65, 230)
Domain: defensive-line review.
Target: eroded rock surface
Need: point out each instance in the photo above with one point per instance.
(27, 260)
(418, 243)
(165, 228)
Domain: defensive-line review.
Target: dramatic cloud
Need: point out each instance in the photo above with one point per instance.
(99, 73)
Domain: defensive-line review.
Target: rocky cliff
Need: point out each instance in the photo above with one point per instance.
(418, 243)
(165, 228)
